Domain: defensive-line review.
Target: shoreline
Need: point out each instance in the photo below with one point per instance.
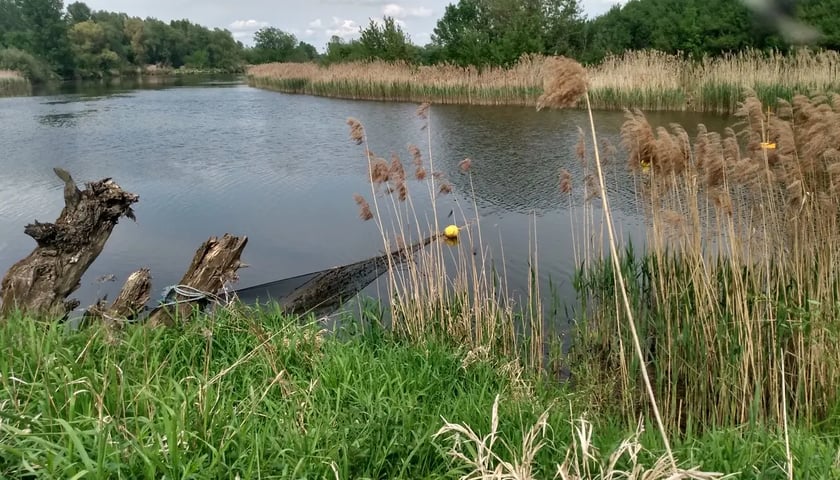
(647, 80)
(13, 84)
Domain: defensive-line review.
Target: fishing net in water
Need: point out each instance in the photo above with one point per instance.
(323, 292)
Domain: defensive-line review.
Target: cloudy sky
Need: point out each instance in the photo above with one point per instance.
(313, 21)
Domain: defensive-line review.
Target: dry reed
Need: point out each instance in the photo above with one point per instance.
(443, 288)
(740, 293)
(647, 80)
(13, 83)
(485, 459)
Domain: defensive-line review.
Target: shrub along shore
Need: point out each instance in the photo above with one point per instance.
(13, 84)
(647, 80)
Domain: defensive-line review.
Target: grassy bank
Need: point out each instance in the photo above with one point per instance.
(254, 394)
(645, 80)
(723, 349)
(13, 84)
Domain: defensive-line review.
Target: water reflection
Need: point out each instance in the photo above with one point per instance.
(63, 120)
(214, 157)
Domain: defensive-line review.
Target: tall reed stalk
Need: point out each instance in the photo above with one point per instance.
(449, 287)
(739, 292)
(648, 80)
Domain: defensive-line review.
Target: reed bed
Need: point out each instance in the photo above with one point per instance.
(648, 80)
(449, 287)
(13, 84)
(738, 295)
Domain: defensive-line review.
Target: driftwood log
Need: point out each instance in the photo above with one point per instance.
(131, 300)
(215, 263)
(41, 282)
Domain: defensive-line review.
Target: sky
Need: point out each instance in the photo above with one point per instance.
(311, 21)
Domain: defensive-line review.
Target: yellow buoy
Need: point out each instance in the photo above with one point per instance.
(451, 232)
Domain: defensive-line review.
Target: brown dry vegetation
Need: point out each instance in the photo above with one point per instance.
(647, 80)
(444, 288)
(740, 294)
(13, 83)
(9, 74)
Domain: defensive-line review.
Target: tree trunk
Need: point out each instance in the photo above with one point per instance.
(132, 299)
(40, 283)
(214, 264)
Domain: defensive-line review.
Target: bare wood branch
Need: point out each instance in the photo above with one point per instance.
(132, 300)
(215, 263)
(41, 282)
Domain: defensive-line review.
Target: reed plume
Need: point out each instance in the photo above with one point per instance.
(564, 83)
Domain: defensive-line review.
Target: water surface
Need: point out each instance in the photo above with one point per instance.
(218, 156)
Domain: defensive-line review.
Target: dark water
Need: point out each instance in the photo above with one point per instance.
(215, 156)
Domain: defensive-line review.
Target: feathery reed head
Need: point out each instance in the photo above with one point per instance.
(563, 83)
(423, 110)
(364, 208)
(465, 165)
(565, 181)
(380, 171)
(357, 131)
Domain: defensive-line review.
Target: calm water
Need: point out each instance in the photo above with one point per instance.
(218, 156)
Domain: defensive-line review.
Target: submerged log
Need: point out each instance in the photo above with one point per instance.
(41, 282)
(214, 264)
(132, 300)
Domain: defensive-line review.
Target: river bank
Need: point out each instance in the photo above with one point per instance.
(647, 80)
(13, 84)
(252, 393)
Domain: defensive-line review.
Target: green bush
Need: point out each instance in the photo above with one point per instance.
(34, 69)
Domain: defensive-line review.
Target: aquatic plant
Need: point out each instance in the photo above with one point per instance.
(739, 290)
(12, 84)
(450, 287)
(648, 80)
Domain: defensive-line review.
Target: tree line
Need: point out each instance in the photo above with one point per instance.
(39, 37)
(42, 38)
(498, 32)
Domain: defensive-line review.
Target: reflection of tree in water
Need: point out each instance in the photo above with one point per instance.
(67, 119)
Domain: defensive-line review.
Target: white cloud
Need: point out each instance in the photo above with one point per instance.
(398, 11)
(343, 28)
(317, 23)
(247, 25)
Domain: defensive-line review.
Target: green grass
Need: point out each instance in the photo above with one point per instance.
(400, 91)
(258, 395)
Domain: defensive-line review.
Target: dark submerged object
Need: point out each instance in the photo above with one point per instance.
(322, 293)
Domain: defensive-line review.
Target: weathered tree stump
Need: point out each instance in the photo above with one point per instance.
(132, 300)
(40, 283)
(214, 264)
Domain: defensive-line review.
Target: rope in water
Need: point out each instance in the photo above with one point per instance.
(189, 294)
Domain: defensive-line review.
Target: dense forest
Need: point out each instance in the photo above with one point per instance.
(43, 39)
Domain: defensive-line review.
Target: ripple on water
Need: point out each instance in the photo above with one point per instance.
(282, 170)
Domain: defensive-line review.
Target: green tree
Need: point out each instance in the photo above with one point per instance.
(386, 41)
(273, 45)
(463, 33)
(823, 15)
(47, 32)
(339, 50)
(499, 32)
(78, 12)
(304, 52)
(90, 48)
